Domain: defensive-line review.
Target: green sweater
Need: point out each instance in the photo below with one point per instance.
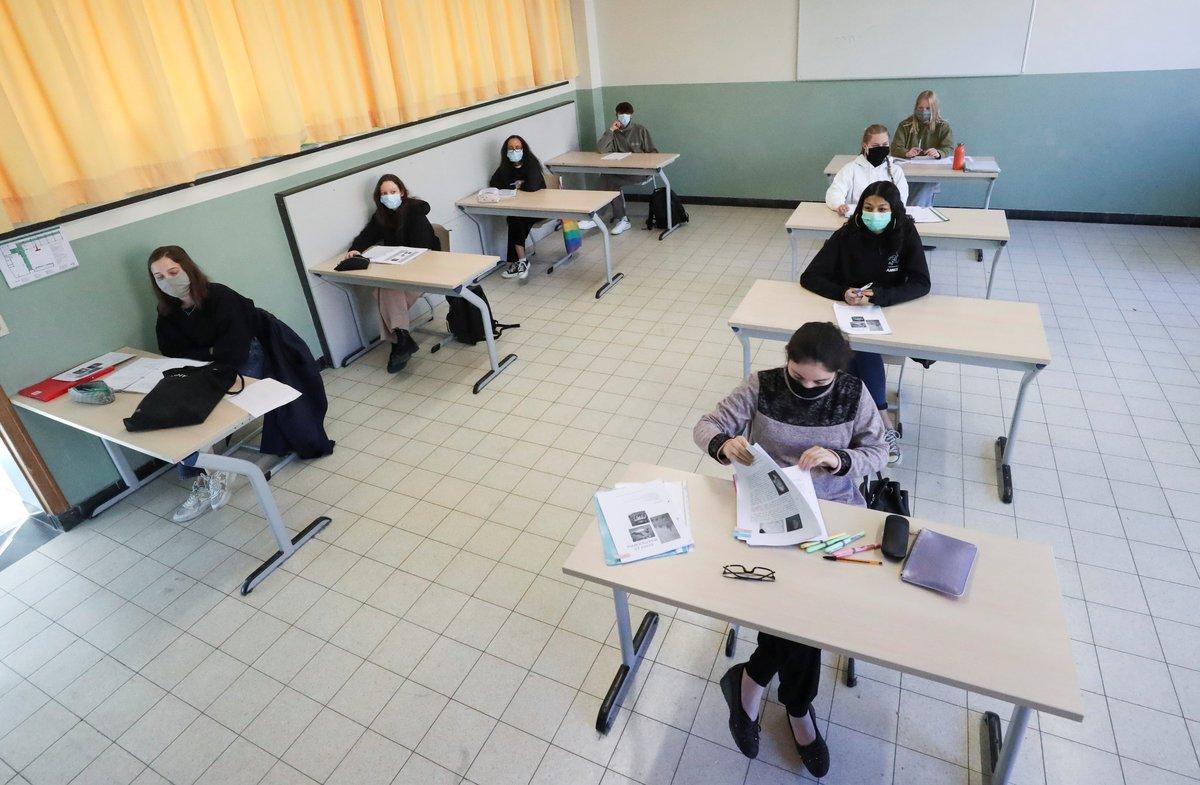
(633, 139)
(941, 138)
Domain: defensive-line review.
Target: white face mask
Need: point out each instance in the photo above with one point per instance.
(516, 155)
(177, 286)
(391, 201)
(624, 120)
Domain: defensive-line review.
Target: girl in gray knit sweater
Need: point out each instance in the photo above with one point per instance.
(813, 414)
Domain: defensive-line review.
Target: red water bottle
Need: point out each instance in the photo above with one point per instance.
(960, 157)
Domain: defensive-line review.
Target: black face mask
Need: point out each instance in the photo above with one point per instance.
(806, 392)
(876, 155)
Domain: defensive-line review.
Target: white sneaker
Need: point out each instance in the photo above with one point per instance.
(585, 225)
(220, 488)
(198, 502)
(892, 437)
(622, 226)
(510, 271)
(523, 269)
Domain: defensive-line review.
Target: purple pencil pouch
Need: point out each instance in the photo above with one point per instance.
(940, 563)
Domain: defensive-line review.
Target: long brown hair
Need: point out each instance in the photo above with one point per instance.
(390, 219)
(196, 277)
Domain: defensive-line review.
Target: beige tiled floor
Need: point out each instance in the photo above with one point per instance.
(429, 636)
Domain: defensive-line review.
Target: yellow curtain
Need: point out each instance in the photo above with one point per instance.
(100, 99)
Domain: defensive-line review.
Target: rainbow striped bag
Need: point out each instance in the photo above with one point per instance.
(572, 236)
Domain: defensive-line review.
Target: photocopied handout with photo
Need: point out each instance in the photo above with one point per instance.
(861, 319)
(775, 506)
(643, 520)
(393, 254)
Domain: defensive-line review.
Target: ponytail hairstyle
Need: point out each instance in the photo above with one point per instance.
(935, 112)
(897, 230)
(390, 219)
(877, 128)
(822, 343)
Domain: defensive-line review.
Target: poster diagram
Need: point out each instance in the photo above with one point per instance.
(35, 256)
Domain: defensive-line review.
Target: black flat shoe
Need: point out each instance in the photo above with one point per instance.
(744, 730)
(815, 755)
(402, 350)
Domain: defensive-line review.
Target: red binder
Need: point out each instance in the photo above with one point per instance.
(51, 388)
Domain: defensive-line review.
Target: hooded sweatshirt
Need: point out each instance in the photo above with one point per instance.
(848, 184)
(633, 138)
(854, 255)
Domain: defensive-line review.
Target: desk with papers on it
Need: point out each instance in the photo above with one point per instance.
(557, 203)
(650, 165)
(189, 445)
(964, 228)
(989, 333)
(933, 170)
(1004, 638)
(446, 273)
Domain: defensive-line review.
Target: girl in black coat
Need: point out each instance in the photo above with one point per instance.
(878, 245)
(399, 219)
(519, 169)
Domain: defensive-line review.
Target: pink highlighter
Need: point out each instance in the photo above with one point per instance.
(856, 549)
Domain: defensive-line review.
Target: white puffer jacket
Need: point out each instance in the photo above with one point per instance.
(851, 179)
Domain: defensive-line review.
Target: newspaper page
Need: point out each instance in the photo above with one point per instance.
(775, 506)
(861, 319)
(644, 520)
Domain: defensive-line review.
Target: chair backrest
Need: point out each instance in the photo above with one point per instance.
(552, 180)
(443, 235)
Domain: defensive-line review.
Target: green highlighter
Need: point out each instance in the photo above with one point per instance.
(822, 543)
(833, 546)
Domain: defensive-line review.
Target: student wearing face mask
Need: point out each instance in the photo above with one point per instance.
(519, 169)
(812, 414)
(871, 165)
(623, 136)
(879, 245)
(399, 219)
(923, 133)
(199, 319)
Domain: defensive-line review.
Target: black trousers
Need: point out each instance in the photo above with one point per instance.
(798, 666)
(518, 233)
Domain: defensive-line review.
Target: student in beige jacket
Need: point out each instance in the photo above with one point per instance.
(623, 136)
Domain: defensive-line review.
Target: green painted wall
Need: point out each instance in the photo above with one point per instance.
(106, 303)
(1103, 143)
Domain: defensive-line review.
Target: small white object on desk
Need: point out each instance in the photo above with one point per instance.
(861, 319)
(393, 254)
(615, 156)
(924, 215)
(263, 396)
(971, 165)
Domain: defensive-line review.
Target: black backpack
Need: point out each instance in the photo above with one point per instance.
(658, 210)
(464, 322)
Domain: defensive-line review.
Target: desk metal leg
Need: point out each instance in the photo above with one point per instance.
(367, 343)
(612, 279)
(127, 473)
(633, 651)
(478, 230)
(287, 546)
(795, 256)
(987, 201)
(745, 339)
(992, 273)
(1005, 445)
(670, 223)
(1003, 752)
(486, 314)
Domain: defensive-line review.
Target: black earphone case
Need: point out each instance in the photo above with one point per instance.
(895, 537)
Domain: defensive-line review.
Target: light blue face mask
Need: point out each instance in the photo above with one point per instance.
(876, 222)
(624, 119)
(516, 155)
(391, 201)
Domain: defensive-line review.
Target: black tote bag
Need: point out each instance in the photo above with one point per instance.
(184, 396)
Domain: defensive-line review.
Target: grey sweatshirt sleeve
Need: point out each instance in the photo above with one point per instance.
(731, 418)
(867, 452)
(606, 143)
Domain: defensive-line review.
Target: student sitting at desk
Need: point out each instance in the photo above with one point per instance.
(879, 246)
(202, 320)
(870, 166)
(519, 169)
(623, 136)
(923, 134)
(812, 414)
(399, 219)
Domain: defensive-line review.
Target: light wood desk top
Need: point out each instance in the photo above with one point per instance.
(170, 444)
(550, 200)
(936, 324)
(596, 160)
(432, 270)
(965, 223)
(1006, 637)
(918, 172)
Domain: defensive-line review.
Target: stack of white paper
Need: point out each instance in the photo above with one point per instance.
(393, 254)
(924, 215)
(926, 160)
(971, 165)
(643, 520)
(615, 157)
(775, 506)
(861, 319)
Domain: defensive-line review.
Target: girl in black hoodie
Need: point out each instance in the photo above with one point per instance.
(878, 245)
(519, 169)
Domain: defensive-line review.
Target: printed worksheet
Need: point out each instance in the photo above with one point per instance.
(861, 319)
(645, 519)
(393, 254)
(775, 506)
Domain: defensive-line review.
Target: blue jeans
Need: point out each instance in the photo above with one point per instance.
(868, 366)
(255, 365)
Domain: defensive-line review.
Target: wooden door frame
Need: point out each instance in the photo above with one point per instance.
(29, 460)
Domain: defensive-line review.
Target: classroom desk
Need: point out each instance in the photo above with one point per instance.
(916, 172)
(1006, 637)
(967, 228)
(967, 330)
(437, 272)
(557, 203)
(188, 445)
(643, 164)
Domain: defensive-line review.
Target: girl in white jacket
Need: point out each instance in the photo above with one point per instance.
(871, 165)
